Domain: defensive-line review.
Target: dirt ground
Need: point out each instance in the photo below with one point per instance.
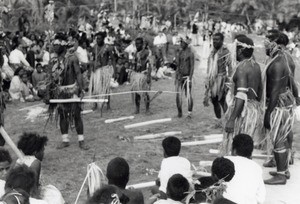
(66, 169)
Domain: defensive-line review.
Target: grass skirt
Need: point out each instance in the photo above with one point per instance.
(100, 81)
(250, 122)
(282, 120)
(139, 83)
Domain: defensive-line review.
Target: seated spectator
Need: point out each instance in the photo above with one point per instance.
(33, 146)
(22, 178)
(223, 168)
(173, 163)
(117, 173)
(38, 76)
(15, 85)
(177, 190)
(15, 196)
(107, 195)
(17, 57)
(5, 163)
(247, 173)
(26, 88)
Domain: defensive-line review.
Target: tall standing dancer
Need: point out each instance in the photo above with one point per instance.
(219, 70)
(103, 69)
(184, 74)
(67, 83)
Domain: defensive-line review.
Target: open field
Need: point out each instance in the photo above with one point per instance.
(66, 168)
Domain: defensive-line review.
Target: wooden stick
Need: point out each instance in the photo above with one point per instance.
(203, 142)
(78, 100)
(158, 135)
(86, 112)
(201, 173)
(11, 143)
(142, 185)
(209, 137)
(119, 119)
(205, 163)
(130, 92)
(215, 151)
(147, 123)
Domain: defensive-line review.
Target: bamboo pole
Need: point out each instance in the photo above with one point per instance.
(119, 119)
(147, 123)
(203, 142)
(142, 185)
(9, 141)
(158, 135)
(78, 100)
(129, 92)
(215, 151)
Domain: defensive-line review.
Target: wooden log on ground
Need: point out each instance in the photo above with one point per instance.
(147, 123)
(119, 119)
(202, 142)
(210, 137)
(11, 143)
(142, 185)
(205, 163)
(30, 107)
(158, 135)
(263, 156)
(78, 100)
(201, 173)
(84, 112)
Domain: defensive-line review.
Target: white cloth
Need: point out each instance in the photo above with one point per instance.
(15, 88)
(6, 69)
(173, 165)
(247, 185)
(27, 160)
(82, 55)
(160, 39)
(17, 57)
(37, 201)
(46, 58)
(168, 201)
(52, 195)
(131, 49)
(2, 189)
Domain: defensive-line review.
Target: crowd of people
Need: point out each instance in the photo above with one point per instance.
(81, 64)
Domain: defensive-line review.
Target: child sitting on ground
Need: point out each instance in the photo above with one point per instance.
(38, 76)
(5, 163)
(177, 190)
(108, 194)
(172, 164)
(117, 173)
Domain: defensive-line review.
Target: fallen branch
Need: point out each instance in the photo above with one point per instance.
(158, 135)
(11, 143)
(78, 100)
(142, 185)
(147, 123)
(203, 142)
(119, 119)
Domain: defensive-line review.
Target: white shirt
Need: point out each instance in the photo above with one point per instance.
(160, 39)
(46, 58)
(2, 189)
(82, 55)
(131, 49)
(173, 165)
(17, 57)
(247, 185)
(168, 201)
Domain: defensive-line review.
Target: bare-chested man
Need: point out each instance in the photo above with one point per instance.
(67, 83)
(282, 96)
(184, 74)
(103, 68)
(243, 116)
(141, 76)
(218, 71)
